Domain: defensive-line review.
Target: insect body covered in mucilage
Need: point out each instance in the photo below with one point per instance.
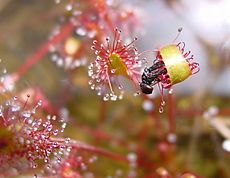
(172, 65)
(150, 76)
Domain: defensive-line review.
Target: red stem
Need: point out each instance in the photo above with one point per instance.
(64, 32)
(85, 147)
(43, 49)
(171, 112)
(192, 111)
(155, 115)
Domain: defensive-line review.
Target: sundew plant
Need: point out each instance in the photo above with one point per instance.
(114, 89)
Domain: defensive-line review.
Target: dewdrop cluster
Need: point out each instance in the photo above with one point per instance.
(114, 60)
(28, 137)
(69, 53)
(6, 81)
(90, 20)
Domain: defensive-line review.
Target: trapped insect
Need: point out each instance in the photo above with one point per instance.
(172, 65)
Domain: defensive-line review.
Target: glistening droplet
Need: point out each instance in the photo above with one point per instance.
(161, 109)
(171, 91)
(69, 7)
(137, 93)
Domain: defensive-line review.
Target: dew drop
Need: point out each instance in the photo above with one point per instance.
(137, 93)
(90, 73)
(48, 117)
(26, 114)
(113, 97)
(15, 108)
(171, 137)
(161, 109)
(90, 82)
(92, 34)
(2, 79)
(39, 102)
(113, 71)
(63, 125)
(68, 149)
(81, 31)
(120, 96)
(60, 62)
(92, 159)
(48, 166)
(162, 103)
(132, 157)
(92, 87)
(54, 57)
(54, 118)
(226, 145)
(67, 140)
(162, 172)
(213, 110)
(55, 132)
(120, 87)
(106, 97)
(69, 7)
(171, 91)
(148, 105)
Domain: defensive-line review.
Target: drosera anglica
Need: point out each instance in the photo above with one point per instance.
(69, 53)
(91, 21)
(28, 138)
(172, 65)
(113, 60)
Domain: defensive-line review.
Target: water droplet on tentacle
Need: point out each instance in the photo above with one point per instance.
(161, 109)
(69, 7)
(171, 91)
(162, 103)
(136, 93)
